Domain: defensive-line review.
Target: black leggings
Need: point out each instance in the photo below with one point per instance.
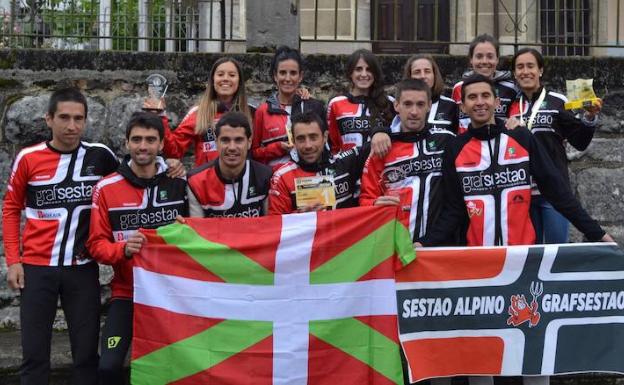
(116, 337)
(79, 290)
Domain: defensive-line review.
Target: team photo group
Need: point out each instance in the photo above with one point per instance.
(480, 164)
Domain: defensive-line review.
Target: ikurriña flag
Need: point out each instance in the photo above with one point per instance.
(295, 299)
(521, 310)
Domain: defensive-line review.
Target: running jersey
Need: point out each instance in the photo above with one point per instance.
(270, 128)
(412, 169)
(123, 203)
(349, 121)
(487, 177)
(345, 168)
(54, 188)
(553, 124)
(213, 196)
(506, 91)
(179, 140)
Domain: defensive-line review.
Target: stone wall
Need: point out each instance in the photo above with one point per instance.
(114, 84)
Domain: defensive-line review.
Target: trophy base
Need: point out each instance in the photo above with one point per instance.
(581, 103)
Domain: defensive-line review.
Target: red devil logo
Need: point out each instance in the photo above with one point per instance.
(520, 311)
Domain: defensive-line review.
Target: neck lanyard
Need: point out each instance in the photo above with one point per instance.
(534, 109)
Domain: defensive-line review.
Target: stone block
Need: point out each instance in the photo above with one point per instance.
(601, 192)
(25, 120)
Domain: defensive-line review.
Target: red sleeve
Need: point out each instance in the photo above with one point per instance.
(335, 140)
(100, 244)
(260, 153)
(179, 140)
(279, 196)
(457, 92)
(14, 203)
(371, 181)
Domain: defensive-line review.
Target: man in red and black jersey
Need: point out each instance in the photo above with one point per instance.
(231, 185)
(487, 174)
(311, 158)
(53, 183)
(410, 174)
(138, 195)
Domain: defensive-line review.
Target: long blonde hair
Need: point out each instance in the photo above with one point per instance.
(208, 104)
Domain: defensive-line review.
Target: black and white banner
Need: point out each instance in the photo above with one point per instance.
(548, 309)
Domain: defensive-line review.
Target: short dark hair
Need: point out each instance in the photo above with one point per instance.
(145, 120)
(233, 119)
(438, 82)
(307, 118)
(538, 57)
(70, 94)
(476, 78)
(412, 85)
(483, 38)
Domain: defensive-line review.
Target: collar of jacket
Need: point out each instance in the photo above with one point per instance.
(410, 137)
(223, 179)
(275, 106)
(487, 131)
(326, 160)
(498, 75)
(126, 171)
(536, 95)
(360, 99)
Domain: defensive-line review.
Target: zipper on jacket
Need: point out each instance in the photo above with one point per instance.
(498, 238)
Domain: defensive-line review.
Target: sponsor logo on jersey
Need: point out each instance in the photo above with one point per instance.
(354, 124)
(56, 194)
(147, 219)
(249, 212)
(47, 215)
(473, 210)
(412, 167)
(484, 181)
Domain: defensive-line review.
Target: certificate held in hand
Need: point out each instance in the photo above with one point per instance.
(315, 190)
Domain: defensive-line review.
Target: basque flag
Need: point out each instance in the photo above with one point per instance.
(296, 299)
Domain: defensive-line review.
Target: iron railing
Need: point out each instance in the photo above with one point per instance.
(560, 27)
(158, 25)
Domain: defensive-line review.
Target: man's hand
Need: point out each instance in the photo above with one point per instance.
(134, 244)
(15, 276)
(512, 123)
(417, 244)
(380, 144)
(387, 200)
(286, 147)
(607, 238)
(175, 168)
(181, 220)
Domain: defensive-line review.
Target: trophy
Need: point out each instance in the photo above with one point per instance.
(580, 94)
(156, 90)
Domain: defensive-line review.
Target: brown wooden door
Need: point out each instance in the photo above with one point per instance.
(405, 26)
